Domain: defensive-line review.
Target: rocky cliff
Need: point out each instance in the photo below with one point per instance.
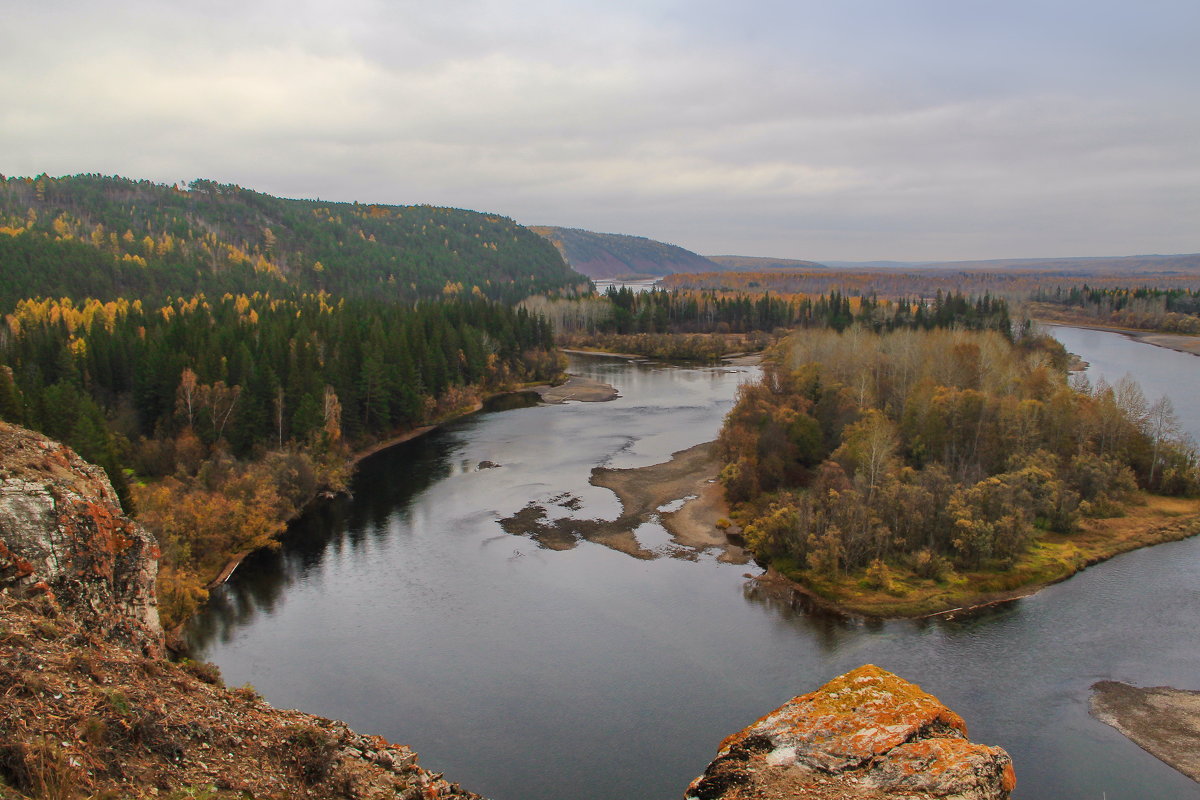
(91, 709)
(63, 536)
(866, 734)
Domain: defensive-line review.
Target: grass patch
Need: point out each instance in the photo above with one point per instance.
(1149, 520)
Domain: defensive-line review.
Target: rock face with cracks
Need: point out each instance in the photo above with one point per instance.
(88, 706)
(866, 734)
(63, 535)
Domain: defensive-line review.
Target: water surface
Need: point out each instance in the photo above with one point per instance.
(528, 674)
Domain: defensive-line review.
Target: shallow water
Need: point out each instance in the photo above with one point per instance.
(530, 674)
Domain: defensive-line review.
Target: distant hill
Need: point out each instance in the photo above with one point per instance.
(109, 236)
(754, 264)
(616, 255)
(1102, 265)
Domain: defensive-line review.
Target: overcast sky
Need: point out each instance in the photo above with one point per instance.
(844, 129)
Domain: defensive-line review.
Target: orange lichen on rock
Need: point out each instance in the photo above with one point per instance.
(867, 733)
(62, 528)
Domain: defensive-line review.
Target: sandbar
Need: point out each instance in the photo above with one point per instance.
(690, 476)
(1164, 722)
(584, 390)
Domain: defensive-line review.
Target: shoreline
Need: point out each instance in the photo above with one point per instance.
(646, 494)
(575, 351)
(690, 475)
(740, 359)
(589, 393)
(1163, 721)
(1160, 530)
(1179, 342)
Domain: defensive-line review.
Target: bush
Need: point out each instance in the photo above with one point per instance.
(928, 564)
(203, 670)
(879, 576)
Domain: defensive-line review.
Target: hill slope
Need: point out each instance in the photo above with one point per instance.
(108, 236)
(755, 264)
(1188, 263)
(616, 255)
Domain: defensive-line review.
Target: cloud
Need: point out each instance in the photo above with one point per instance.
(926, 129)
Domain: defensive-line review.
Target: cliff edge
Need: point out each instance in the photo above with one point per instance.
(64, 536)
(91, 709)
(866, 734)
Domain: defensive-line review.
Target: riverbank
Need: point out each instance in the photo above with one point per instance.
(1052, 559)
(691, 476)
(1164, 722)
(1179, 342)
(574, 388)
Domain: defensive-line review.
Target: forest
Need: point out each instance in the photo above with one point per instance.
(222, 353)
(1143, 308)
(109, 237)
(919, 452)
(227, 415)
(1009, 283)
(706, 325)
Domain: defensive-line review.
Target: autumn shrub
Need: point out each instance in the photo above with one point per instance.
(40, 767)
(203, 670)
(312, 750)
(247, 693)
(931, 565)
(879, 576)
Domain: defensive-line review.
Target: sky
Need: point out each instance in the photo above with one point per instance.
(838, 130)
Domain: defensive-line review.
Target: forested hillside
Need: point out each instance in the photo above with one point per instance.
(758, 264)
(615, 255)
(222, 353)
(109, 237)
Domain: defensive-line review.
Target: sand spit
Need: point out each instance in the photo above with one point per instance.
(1164, 722)
(688, 478)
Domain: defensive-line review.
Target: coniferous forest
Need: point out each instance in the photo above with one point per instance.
(221, 352)
(108, 237)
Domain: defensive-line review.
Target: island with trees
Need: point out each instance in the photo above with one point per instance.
(909, 472)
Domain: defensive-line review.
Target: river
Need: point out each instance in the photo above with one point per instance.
(530, 674)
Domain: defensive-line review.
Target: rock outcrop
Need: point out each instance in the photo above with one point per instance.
(63, 535)
(91, 709)
(866, 734)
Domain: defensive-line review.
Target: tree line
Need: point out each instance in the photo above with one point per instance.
(1011, 282)
(623, 312)
(1174, 310)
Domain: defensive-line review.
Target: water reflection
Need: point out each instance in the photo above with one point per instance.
(531, 674)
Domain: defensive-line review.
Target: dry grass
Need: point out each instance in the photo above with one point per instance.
(88, 719)
(1054, 557)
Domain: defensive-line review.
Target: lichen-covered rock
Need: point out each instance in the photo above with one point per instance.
(64, 536)
(865, 734)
